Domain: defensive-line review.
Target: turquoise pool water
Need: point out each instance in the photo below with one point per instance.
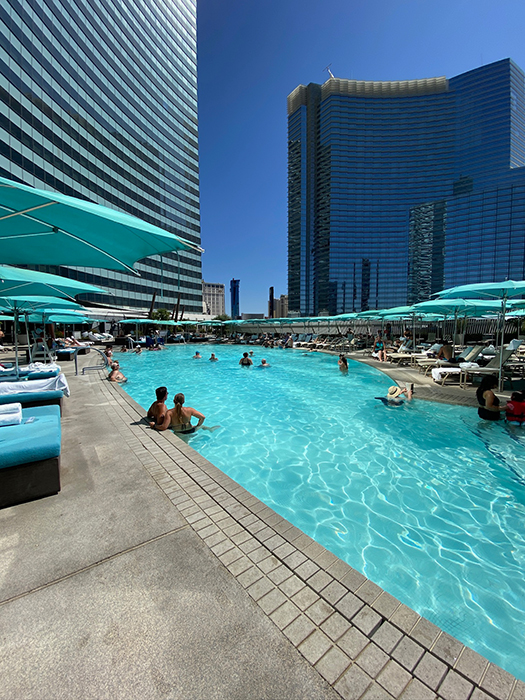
(425, 499)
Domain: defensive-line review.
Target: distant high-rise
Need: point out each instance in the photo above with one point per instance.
(399, 189)
(235, 298)
(213, 298)
(100, 102)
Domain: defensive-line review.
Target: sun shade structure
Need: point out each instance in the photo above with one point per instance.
(489, 290)
(17, 282)
(36, 303)
(39, 227)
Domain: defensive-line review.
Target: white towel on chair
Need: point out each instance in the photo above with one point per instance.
(58, 383)
(469, 365)
(11, 414)
(439, 372)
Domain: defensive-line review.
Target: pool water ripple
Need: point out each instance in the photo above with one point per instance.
(426, 500)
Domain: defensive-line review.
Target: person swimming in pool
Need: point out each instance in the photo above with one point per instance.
(393, 398)
(179, 418)
(264, 363)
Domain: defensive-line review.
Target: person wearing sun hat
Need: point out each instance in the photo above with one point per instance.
(393, 397)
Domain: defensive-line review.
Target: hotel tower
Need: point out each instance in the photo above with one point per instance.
(99, 101)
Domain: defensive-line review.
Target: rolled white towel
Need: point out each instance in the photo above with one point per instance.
(10, 414)
(469, 365)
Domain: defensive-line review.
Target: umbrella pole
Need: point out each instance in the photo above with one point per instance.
(16, 345)
(500, 378)
(28, 340)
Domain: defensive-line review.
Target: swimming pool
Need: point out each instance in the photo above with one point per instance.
(426, 500)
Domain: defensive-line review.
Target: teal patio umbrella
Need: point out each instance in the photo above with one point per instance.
(15, 283)
(501, 291)
(41, 227)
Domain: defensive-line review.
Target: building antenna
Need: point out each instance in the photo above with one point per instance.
(328, 69)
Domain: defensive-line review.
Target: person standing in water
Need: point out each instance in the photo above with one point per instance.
(343, 363)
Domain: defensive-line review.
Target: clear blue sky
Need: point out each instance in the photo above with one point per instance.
(253, 53)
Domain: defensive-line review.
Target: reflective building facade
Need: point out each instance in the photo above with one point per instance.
(399, 189)
(99, 101)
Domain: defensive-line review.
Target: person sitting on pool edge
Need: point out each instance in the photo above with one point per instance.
(245, 360)
(157, 411)
(179, 418)
(394, 394)
(116, 375)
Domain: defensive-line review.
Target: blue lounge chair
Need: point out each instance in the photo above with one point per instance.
(30, 456)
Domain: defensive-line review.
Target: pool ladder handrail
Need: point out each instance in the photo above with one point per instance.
(90, 367)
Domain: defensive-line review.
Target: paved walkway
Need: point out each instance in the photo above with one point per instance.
(154, 575)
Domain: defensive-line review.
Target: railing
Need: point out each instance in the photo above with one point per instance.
(105, 364)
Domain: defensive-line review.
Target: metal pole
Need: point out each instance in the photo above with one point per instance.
(500, 378)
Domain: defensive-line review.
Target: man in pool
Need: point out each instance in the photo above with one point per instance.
(197, 356)
(116, 375)
(157, 411)
(264, 363)
(213, 358)
(179, 418)
(393, 398)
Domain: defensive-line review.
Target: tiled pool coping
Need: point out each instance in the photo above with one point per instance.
(363, 641)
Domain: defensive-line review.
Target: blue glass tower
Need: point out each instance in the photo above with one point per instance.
(235, 298)
(99, 101)
(398, 189)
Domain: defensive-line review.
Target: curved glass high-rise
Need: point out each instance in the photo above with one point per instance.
(99, 101)
(399, 189)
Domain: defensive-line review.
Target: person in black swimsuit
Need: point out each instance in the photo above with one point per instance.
(489, 408)
(245, 360)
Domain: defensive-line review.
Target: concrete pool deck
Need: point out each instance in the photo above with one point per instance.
(154, 575)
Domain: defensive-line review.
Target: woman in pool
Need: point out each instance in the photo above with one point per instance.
(489, 408)
(343, 363)
(179, 418)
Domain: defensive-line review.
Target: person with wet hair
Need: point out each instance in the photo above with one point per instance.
(179, 418)
(158, 409)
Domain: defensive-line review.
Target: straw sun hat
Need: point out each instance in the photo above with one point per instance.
(394, 392)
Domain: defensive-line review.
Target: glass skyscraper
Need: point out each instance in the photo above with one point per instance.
(399, 189)
(99, 101)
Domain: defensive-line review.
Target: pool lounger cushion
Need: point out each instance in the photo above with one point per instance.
(30, 457)
(34, 398)
(69, 353)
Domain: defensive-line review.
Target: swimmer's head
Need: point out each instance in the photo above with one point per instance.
(161, 393)
(179, 398)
